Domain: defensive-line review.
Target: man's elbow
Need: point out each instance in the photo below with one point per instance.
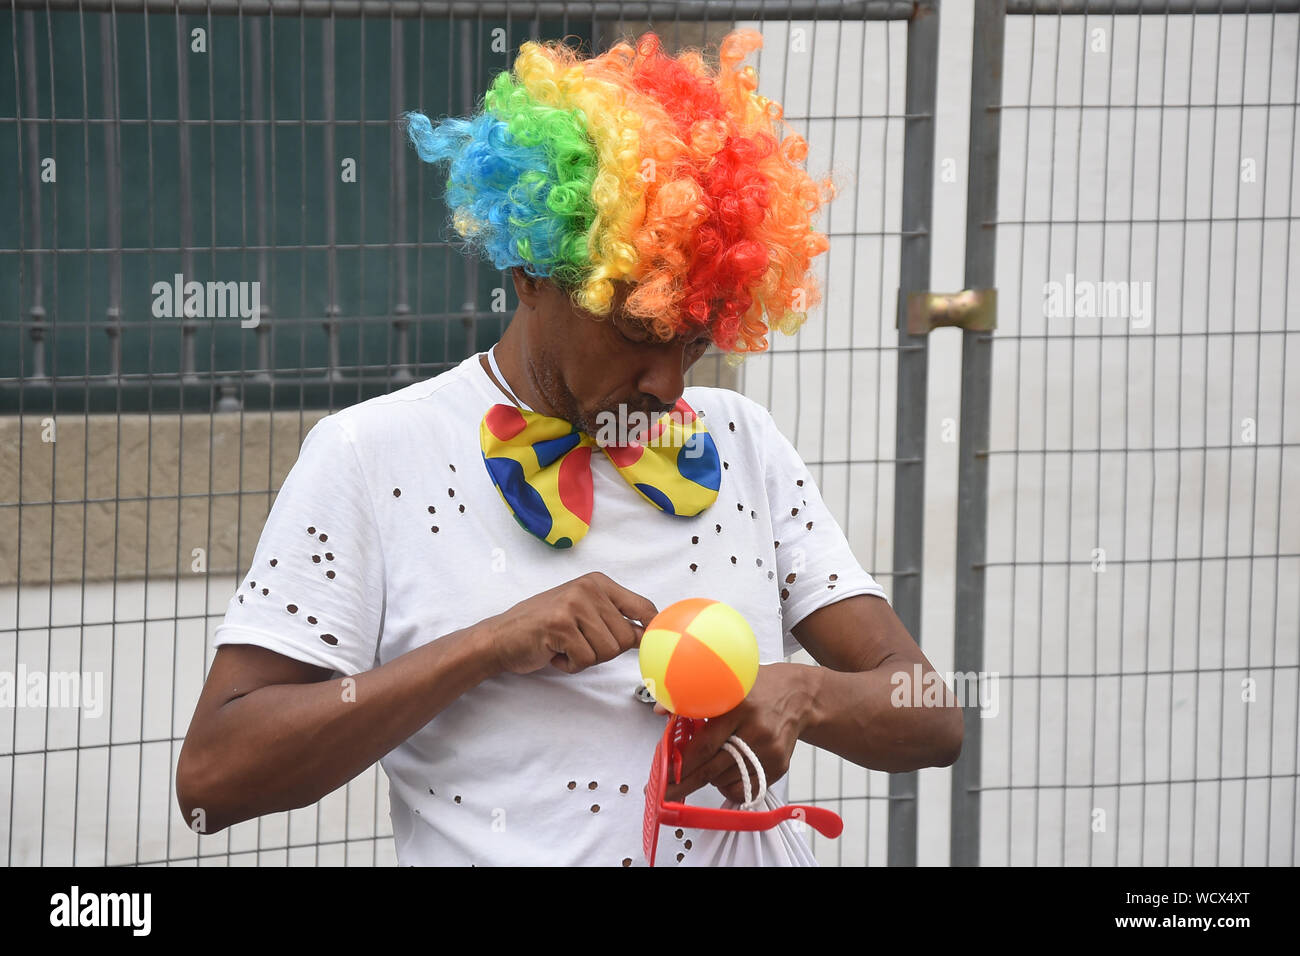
(195, 794)
(950, 737)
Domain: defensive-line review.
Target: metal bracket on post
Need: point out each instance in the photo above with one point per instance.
(975, 310)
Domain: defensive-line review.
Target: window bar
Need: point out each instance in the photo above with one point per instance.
(262, 373)
(467, 72)
(185, 193)
(36, 284)
(402, 374)
(332, 309)
(112, 187)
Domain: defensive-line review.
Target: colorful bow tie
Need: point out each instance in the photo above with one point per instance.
(542, 468)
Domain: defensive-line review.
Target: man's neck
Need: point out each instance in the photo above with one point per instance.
(518, 378)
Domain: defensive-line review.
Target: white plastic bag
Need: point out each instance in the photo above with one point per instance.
(786, 844)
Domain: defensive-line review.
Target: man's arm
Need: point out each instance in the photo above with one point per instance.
(861, 644)
(843, 706)
(271, 733)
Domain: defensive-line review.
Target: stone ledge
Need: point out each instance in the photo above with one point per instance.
(128, 485)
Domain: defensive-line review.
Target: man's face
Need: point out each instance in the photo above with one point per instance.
(588, 365)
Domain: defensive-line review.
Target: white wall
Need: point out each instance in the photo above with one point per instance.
(83, 801)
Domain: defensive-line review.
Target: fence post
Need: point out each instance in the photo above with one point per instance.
(976, 364)
(909, 467)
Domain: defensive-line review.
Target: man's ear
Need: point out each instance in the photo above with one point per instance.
(527, 288)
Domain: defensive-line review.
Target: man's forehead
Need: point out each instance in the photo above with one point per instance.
(624, 320)
(640, 326)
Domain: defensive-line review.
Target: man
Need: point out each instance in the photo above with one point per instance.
(454, 577)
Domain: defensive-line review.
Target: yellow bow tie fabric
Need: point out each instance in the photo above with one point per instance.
(542, 468)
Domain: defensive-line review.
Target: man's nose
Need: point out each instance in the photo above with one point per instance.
(665, 378)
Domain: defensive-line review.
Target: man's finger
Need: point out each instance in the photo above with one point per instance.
(599, 629)
(624, 632)
(576, 649)
(708, 742)
(701, 777)
(629, 603)
(728, 782)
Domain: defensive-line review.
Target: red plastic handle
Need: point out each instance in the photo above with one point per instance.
(826, 822)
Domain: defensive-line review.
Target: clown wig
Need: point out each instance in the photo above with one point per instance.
(635, 166)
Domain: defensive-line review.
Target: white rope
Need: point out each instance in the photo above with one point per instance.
(744, 771)
(750, 803)
(492, 360)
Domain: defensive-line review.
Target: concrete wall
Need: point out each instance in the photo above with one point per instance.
(119, 498)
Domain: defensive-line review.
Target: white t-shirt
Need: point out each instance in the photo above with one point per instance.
(389, 533)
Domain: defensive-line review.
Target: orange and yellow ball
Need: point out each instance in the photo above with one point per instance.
(699, 657)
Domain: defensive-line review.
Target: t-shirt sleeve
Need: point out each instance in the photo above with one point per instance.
(315, 590)
(815, 565)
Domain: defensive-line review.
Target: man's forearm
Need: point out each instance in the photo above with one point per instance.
(285, 746)
(853, 715)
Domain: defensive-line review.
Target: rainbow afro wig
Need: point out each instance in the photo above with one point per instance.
(634, 166)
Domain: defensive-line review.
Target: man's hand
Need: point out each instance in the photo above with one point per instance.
(576, 625)
(770, 720)
(847, 705)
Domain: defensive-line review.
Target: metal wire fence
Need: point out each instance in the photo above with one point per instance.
(1130, 431)
(255, 144)
(1125, 561)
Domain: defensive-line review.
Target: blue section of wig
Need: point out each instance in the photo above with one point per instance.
(500, 184)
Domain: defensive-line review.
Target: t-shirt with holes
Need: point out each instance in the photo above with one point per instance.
(388, 533)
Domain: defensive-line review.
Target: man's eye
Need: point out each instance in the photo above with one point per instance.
(638, 336)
